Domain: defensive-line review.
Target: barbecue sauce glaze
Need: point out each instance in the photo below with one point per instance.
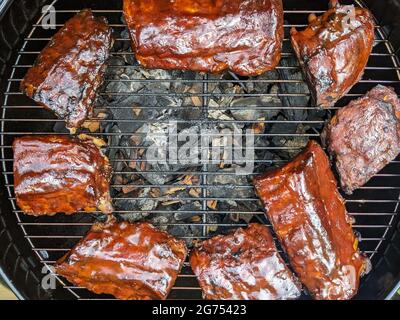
(334, 50)
(310, 220)
(243, 265)
(364, 136)
(70, 69)
(55, 174)
(244, 36)
(129, 261)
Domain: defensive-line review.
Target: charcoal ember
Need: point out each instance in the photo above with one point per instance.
(157, 178)
(213, 83)
(243, 212)
(161, 220)
(296, 144)
(254, 108)
(152, 136)
(291, 71)
(187, 82)
(159, 74)
(117, 90)
(292, 145)
(264, 159)
(268, 80)
(191, 108)
(282, 127)
(224, 184)
(118, 150)
(177, 99)
(188, 231)
(261, 143)
(249, 206)
(146, 87)
(183, 213)
(113, 141)
(223, 116)
(129, 110)
(188, 113)
(318, 114)
(177, 199)
(167, 222)
(257, 84)
(191, 92)
(114, 62)
(180, 231)
(191, 232)
(156, 138)
(223, 89)
(132, 216)
(213, 220)
(122, 45)
(230, 87)
(227, 205)
(125, 202)
(59, 127)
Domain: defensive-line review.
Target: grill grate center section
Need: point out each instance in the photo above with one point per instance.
(137, 109)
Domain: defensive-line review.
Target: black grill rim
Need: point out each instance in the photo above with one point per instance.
(22, 273)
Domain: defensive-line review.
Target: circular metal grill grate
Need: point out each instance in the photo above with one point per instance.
(374, 206)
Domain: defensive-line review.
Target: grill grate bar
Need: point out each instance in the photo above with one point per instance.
(183, 237)
(222, 212)
(66, 224)
(116, 25)
(120, 11)
(383, 61)
(277, 68)
(227, 186)
(376, 41)
(181, 275)
(207, 173)
(147, 94)
(128, 53)
(165, 199)
(220, 81)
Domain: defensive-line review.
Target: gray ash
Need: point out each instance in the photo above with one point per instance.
(139, 105)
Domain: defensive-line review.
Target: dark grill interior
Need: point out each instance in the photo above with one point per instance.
(194, 202)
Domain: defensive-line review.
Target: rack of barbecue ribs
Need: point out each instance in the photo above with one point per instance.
(310, 220)
(334, 50)
(364, 136)
(55, 174)
(244, 36)
(70, 69)
(129, 261)
(243, 265)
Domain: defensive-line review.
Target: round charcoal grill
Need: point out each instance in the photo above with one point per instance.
(216, 200)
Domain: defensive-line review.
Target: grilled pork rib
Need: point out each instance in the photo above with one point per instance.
(310, 219)
(364, 136)
(243, 265)
(70, 69)
(334, 50)
(55, 174)
(128, 261)
(244, 36)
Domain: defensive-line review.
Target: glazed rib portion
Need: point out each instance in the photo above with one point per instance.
(243, 265)
(244, 36)
(310, 219)
(364, 136)
(55, 174)
(129, 261)
(70, 69)
(334, 50)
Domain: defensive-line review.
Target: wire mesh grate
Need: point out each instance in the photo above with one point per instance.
(374, 206)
